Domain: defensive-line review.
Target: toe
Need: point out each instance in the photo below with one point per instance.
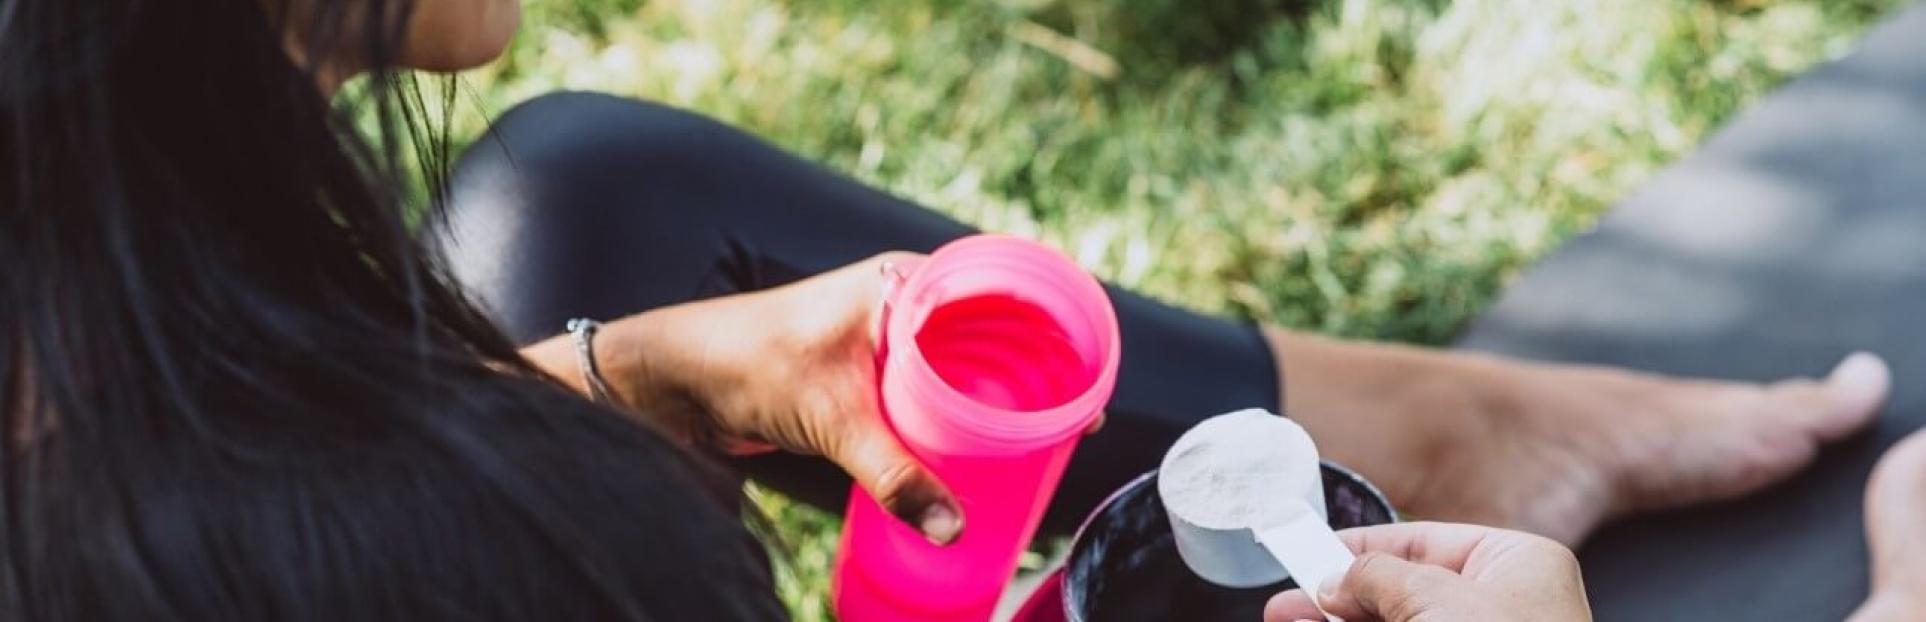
(1895, 511)
(1890, 607)
(1728, 439)
(1858, 387)
(1841, 404)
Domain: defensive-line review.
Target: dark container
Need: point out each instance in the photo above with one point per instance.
(1123, 563)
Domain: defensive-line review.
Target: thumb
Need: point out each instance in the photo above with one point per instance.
(1381, 586)
(886, 470)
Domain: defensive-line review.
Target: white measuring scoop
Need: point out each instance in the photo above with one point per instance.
(1245, 497)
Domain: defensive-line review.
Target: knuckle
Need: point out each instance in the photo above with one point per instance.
(1411, 602)
(1564, 556)
(840, 440)
(893, 483)
(1394, 595)
(1370, 564)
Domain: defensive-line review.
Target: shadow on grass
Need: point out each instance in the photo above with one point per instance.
(1180, 32)
(1158, 37)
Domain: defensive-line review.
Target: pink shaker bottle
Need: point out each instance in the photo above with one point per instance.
(997, 354)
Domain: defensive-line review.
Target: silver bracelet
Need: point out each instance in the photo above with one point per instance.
(583, 331)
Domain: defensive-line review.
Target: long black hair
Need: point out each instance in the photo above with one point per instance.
(236, 387)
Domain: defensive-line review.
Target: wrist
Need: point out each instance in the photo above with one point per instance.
(653, 373)
(628, 352)
(632, 356)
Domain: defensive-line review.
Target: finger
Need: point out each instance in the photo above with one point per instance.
(891, 476)
(1447, 545)
(877, 279)
(862, 445)
(1291, 606)
(1382, 586)
(1096, 425)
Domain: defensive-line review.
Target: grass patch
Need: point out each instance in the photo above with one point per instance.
(1368, 168)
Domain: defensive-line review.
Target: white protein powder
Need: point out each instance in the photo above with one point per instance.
(1242, 470)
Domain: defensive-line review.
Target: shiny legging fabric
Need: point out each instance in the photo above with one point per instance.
(586, 205)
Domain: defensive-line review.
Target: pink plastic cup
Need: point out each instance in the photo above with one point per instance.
(997, 354)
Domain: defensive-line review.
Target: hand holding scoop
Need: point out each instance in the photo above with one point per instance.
(1246, 502)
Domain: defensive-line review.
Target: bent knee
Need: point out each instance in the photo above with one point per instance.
(562, 134)
(564, 161)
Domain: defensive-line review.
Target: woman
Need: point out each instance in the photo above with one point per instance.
(236, 387)
(583, 205)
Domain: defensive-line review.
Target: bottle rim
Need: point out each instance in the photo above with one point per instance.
(986, 425)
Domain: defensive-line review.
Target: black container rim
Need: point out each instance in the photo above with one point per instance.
(1077, 540)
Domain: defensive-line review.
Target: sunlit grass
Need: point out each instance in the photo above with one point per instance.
(1372, 168)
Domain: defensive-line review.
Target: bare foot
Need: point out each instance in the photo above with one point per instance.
(1558, 449)
(1896, 533)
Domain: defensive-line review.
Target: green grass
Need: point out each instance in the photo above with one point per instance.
(1369, 168)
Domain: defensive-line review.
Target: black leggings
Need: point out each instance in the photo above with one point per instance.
(584, 205)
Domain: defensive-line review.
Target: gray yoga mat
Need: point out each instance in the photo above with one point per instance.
(1796, 235)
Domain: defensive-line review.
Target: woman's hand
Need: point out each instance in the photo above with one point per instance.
(792, 367)
(1444, 572)
(795, 367)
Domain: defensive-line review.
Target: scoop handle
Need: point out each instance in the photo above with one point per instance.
(1306, 546)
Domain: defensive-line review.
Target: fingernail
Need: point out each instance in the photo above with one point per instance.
(940, 524)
